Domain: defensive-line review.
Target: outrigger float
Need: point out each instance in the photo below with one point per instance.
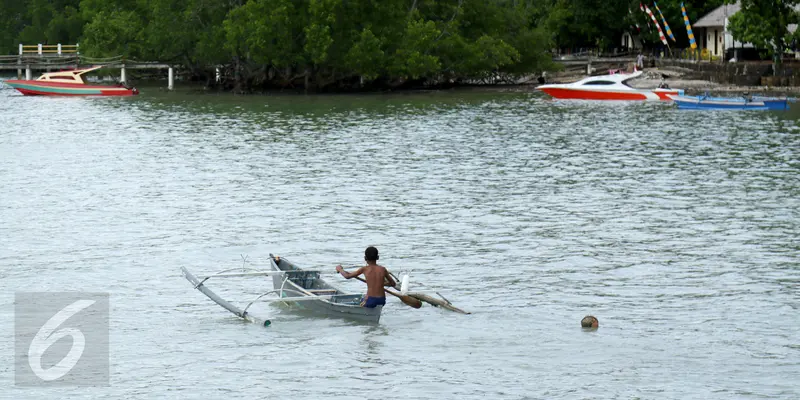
(68, 83)
(308, 290)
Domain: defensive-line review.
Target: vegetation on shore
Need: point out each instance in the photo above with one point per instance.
(339, 44)
(765, 24)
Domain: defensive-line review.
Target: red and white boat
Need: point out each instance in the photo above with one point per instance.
(608, 87)
(68, 83)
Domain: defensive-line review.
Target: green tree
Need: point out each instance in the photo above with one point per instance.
(38, 21)
(367, 58)
(113, 27)
(583, 23)
(12, 21)
(765, 24)
(112, 33)
(413, 59)
(313, 43)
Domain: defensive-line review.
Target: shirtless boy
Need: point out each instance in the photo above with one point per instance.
(376, 276)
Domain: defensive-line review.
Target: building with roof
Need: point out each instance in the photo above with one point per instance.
(712, 34)
(630, 41)
(711, 30)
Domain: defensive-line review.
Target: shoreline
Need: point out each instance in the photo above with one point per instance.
(651, 78)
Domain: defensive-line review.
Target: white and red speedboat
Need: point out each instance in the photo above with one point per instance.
(608, 87)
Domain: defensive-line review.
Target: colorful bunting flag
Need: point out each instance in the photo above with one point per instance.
(664, 20)
(655, 21)
(692, 42)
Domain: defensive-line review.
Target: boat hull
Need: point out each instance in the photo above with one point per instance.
(39, 88)
(635, 95)
(341, 305)
(730, 103)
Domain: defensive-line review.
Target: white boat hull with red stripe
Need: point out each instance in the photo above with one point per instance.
(608, 87)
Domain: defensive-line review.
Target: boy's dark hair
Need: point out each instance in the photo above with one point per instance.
(371, 254)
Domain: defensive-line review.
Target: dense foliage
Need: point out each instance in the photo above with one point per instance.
(765, 24)
(599, 23)
(324, 44)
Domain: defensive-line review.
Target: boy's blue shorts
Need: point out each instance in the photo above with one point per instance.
(372, 302)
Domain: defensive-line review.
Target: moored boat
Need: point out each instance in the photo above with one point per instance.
(68, 83)
(607, 87)
(731, 103)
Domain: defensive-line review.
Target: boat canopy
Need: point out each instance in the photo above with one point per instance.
(73, 76)
(608, 79)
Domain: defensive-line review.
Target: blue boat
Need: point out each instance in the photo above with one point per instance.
(731, 103)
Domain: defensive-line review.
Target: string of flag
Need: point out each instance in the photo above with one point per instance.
(692, 42)
(664, 20)
(641, 7)
(655, 21)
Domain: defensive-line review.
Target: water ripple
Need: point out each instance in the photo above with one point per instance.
(678, 230)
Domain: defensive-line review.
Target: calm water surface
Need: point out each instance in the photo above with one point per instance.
(680, 231)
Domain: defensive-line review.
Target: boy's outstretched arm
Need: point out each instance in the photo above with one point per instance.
(348, 275)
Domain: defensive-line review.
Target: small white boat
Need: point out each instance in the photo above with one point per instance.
(607, 87)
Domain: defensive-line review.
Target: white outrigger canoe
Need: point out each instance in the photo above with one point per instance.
(293, 285)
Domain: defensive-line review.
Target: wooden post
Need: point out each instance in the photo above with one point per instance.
(19, 63)
(170, 79)
(28, 74)
(59, 49)
(40, 49)
(122, 77)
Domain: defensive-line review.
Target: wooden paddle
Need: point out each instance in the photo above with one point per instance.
(438, 303)
(408, 300)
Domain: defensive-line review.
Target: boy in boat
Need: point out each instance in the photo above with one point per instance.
(376, 276)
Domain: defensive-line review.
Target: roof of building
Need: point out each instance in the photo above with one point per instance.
(717, 17)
